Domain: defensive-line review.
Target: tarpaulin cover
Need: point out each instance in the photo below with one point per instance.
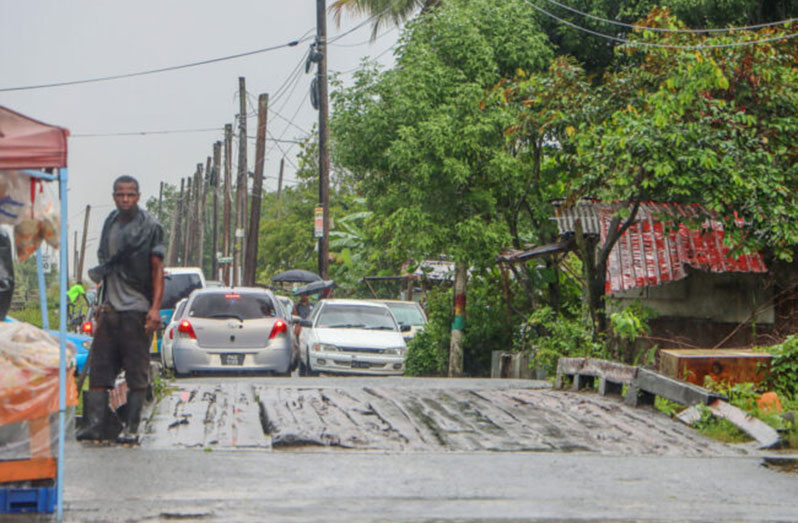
(654, 250)
(29, 144)
(29, 359)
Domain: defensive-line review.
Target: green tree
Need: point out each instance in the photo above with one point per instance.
(432, 162)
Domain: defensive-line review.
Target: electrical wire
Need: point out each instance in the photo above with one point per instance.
(361, 24)
(655, 45)
(364, 42)
(373, 58)
(292, 43)
(666, 30)
(144, 133)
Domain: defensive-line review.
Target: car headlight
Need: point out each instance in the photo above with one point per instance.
(325, 347)
(395, 351)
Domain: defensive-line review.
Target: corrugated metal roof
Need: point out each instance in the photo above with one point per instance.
(583, 210)
(654, 251)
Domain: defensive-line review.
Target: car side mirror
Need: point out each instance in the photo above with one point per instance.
(405, 328)
(296, 319)
(306, 323)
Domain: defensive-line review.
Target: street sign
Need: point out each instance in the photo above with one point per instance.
(318, 223)
(225, 259)
(47, 267)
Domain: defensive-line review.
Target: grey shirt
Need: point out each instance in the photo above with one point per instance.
(120, 295)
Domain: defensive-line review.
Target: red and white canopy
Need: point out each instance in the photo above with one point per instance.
(26, 143)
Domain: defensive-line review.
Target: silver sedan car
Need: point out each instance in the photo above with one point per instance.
(232, 330)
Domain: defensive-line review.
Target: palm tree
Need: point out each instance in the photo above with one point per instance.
(383, 11)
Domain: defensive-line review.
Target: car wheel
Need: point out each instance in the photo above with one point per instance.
(309, 370)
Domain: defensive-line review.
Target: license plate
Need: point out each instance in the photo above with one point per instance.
(232, 359)
(360, 365)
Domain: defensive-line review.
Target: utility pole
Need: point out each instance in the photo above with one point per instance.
(75, 254)
(279, 186)
(324, 135)
(160, 201)
(195, 217)
(174, 230)
(228, 196)
(201, 219)
(187, 218)
(241, 183)
(251, 255)
(83, 244)
(217, 153)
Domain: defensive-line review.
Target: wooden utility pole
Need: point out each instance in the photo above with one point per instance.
(217, 154)
(75, 256)
(228, 197)
(241, 182)
(251, 254)
(201, 216)
(187, 218)
(83, 244)
(196, 193)
(160, 201)
(324, 135)
(174, 230)
(280, 186)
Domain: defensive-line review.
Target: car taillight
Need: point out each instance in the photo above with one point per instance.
(171, 334)
(279, 326)
(86, 328)
(184, 327)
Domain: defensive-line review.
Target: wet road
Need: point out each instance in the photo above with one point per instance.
(351, 449)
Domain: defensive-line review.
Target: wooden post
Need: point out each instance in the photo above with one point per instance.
(251, 255)
(193, 255)
(187, 218)
(280, 186)
(201, 217)
(160, 202)
(76, 254)
(217, 152)
(241, 182)
(324, 134)
(174, 230)
(83, 245)
(459, 323)
(227, 195)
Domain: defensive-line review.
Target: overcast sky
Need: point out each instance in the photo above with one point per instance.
(44, 42)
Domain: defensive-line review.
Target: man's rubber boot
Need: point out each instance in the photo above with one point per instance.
(135, 403)
(100, 422)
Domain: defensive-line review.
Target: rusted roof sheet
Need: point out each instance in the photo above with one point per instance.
(653, 251)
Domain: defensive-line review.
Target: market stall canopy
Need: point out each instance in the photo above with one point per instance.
(26, 143)
(297, 276)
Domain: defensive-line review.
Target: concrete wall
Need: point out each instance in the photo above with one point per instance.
(724, 298)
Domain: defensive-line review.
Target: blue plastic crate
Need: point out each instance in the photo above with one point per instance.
(31, 499)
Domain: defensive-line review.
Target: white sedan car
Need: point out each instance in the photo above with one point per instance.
(352, 337)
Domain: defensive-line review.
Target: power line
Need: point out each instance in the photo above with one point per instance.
(361, 24)
(364, 42)
(144, 133)
(666, 30)
(658, 46)
(292, 43)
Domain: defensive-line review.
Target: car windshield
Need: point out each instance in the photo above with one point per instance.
(178, 286)
(232, 305)
(355, 317)
(407, 313)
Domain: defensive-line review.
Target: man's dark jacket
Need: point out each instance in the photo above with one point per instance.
(141, 238)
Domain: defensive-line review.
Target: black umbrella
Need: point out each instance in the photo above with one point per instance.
(315, 287)
(297, 275)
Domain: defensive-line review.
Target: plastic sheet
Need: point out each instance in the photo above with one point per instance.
(32, 208)
(6, 272)
(29, 360)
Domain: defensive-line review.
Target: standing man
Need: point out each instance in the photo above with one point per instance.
(131, 271)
